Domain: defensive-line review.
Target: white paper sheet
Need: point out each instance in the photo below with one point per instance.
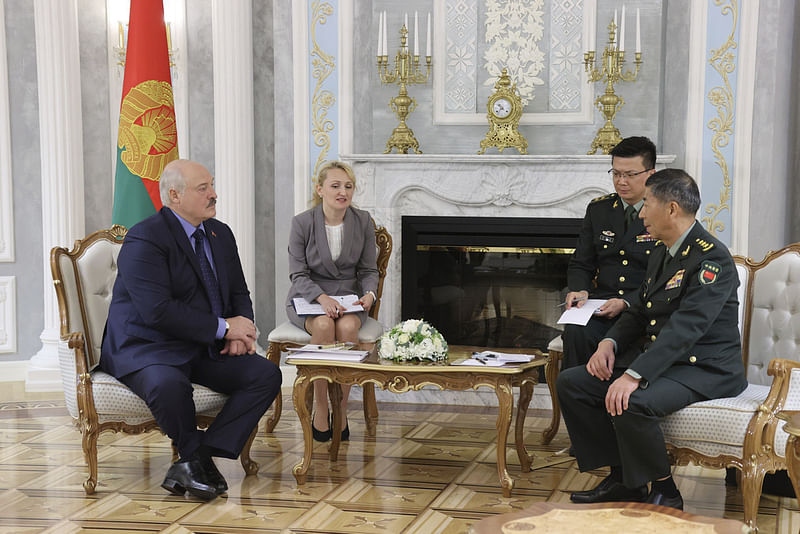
(303, 307)
(581, 315)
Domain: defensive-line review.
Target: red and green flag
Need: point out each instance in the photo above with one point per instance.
(148, 137)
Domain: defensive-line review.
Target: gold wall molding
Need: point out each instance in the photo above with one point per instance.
(323, 65)
(721, 97)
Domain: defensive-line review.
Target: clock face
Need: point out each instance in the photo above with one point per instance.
(501, 108)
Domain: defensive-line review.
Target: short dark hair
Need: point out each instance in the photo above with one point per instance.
(669, 185)
(630, 147)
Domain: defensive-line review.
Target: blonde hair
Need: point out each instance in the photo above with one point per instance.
(316, 200)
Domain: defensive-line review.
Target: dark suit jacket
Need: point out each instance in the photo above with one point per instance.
(617, 258)
(160, 311)
(685, 324)
(312, 269)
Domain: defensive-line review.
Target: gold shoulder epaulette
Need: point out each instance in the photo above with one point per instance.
(705, 245)
(604, 197)
(686, 250)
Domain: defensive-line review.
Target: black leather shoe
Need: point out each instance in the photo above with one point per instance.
(189, 476)
(656, 497)
(346, 431)
(610, 491)
(215, 478)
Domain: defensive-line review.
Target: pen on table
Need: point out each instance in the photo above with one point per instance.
(335, 345)
(573, 302)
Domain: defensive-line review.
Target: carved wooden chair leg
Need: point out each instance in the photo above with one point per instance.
(752, 481)
(274, 355)
(90, 453)
(250, 467)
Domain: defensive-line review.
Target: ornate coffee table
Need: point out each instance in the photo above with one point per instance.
(400, 377)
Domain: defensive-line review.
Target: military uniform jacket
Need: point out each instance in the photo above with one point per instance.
(684, 325)
(617, 258)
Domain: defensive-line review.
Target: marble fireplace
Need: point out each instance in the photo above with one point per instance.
(391, 186)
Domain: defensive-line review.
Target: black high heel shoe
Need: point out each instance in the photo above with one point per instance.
(321, 435)
(346, 431)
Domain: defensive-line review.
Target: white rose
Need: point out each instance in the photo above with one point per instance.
(437, 344)
(426, 347)
(411, 325)
(403, 339)
(425, 330)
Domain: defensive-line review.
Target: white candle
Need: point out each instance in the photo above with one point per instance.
(622, 31)
(385, 38)
(638, 33)
(380, 34)
(405, 21)
(428, 42)
(416, 35)
(615, 21)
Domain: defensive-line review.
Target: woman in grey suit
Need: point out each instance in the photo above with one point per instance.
(332, 252)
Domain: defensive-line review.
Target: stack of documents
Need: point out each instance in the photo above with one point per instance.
(491, 358)
(303, 307)
(339, 352)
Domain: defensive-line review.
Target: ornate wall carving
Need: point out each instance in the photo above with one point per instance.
(8, 318)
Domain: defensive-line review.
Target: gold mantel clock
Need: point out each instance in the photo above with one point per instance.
(504, 109)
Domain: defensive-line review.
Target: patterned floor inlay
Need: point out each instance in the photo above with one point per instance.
(429, 469)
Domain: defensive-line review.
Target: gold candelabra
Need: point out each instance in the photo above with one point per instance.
(406, 72)
(611, 71)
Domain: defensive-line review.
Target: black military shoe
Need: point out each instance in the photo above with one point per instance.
(189, 476)
(610, 491)
(656, 497)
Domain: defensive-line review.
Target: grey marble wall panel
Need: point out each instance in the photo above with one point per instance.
(639, 116)
(26, 178)
(283, 196)
(774, 131)
(264, 123)
(98, 171)
(201, 84)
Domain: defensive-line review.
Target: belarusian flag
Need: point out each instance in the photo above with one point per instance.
(148, 137)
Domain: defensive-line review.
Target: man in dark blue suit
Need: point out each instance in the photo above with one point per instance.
(181, 313)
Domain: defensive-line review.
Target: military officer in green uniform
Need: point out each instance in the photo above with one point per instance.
(612, 251)
(677, 344)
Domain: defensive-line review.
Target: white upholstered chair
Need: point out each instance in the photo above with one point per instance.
(83, 278)
(286, 335)
(744, 432)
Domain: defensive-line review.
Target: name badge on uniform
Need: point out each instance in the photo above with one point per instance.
(676, 280)
(607, 235)
(644, 238)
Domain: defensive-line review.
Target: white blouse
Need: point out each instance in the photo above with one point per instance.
(335, 239)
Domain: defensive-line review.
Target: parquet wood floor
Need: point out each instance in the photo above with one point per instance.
(429, 470)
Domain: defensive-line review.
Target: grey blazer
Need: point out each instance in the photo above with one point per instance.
(313, 271)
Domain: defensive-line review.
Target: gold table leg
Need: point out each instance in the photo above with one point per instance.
(505, 401)
(525, 394)
(551, 370)
(370, 408)
(793, 461)
(335, 397)
(302, 395)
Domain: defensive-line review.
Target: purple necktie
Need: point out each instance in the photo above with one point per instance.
(210, 281)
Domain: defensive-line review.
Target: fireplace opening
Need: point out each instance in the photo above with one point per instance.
(487, 281)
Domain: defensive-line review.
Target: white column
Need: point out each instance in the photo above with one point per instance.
(61, 139)
(232, 38)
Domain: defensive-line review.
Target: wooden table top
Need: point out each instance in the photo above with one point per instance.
(455, 353)
(605, 518)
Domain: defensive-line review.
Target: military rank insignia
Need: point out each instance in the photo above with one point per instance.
(709, 271)
(676, 280)
(607, 235)
(644, 238)
(705, 245)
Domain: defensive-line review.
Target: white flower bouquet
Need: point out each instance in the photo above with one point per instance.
(413, 339)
